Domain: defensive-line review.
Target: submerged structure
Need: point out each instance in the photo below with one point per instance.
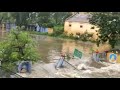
(112, 56)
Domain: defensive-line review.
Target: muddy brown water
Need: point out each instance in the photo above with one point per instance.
(51, 47)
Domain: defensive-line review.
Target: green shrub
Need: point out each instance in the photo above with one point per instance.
(71, 36)
(63, 35)
(58, 30)
(85, 37)
(38, 33)
(18, 46)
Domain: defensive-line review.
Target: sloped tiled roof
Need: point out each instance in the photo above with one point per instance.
(83, 18)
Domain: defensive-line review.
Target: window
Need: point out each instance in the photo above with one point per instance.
(92, 27)
(81, 26)
(69, 25)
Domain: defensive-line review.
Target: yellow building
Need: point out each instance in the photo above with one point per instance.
(79, 23)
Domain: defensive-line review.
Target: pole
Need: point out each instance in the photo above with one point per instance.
(69, 64)
(72, 65)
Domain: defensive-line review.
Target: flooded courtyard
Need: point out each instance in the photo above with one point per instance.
(59, 45)
(50, 49)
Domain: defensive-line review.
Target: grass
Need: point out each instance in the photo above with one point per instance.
(38, 33)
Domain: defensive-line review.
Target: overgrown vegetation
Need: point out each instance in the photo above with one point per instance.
(38, 33)
(84, 37)
(17, 46)
(57, 31)
(44, 19)
(109, 24)
(71, 36)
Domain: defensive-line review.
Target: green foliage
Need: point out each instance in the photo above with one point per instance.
(38, 33)
(57, 30)
(20, 17)
(63, 35)
(71, 36)
(45, 19)
(59, 17)
(109, 24)
(84, 37)
(18, 46)
(10, 66)
(6, 16)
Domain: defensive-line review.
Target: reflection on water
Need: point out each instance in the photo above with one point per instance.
(50, 47)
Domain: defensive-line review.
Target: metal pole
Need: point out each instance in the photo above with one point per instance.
(72, 65)
(69, 64)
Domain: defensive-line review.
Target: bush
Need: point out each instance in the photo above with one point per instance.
(63, 35)
(22, 27)
(38, 33)
(58, 30)
(71, 36)
(18, 46)
(85, 37)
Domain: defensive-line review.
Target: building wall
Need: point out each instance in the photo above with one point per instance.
(75, 28)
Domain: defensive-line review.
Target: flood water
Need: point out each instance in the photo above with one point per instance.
(51, 47)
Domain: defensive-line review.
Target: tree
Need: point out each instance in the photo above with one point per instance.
(60, 17)
(32, 19)
(45, 19)
(18, 46)
(51, 19)
(109, 24)
(20, 18)
(6, 16)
